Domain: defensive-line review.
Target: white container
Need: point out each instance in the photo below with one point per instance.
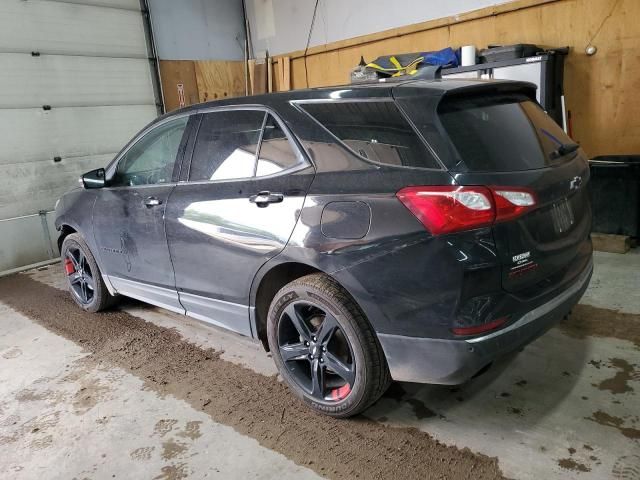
(468, 55)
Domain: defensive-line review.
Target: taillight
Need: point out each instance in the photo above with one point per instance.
(511, 203)
(447, 209)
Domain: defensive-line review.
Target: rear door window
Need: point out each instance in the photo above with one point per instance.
(375, 130)
(501, 133)
(227, 145)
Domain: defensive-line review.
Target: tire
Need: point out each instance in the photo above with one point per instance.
(75, 252)
(362, 359)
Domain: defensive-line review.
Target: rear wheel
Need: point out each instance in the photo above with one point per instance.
(324, 347)
(83, 276)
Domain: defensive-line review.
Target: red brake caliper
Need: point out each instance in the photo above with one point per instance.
(340, 393)
(68, 266)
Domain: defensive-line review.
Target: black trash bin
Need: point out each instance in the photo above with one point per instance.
(615, 194)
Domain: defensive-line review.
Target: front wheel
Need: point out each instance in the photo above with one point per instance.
(83, 275)
(324, 347)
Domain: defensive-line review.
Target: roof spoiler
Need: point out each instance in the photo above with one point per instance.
(497, 86)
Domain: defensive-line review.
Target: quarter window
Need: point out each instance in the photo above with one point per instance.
(276, 153)
(376, 131)
(227, 145)
(152, 158)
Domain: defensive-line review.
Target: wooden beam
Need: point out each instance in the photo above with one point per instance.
(285, 85)
(280, 74)
(604, 242)
(260, 77)
(251, 66)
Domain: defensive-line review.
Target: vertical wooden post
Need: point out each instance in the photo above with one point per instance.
(286, 74)
(252, 76)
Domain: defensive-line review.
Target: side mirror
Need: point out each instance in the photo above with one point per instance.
(93, 179)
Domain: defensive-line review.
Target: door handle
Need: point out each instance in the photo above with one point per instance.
(152, 201)
(263, 199)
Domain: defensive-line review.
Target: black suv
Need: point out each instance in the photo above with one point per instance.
(414, 232)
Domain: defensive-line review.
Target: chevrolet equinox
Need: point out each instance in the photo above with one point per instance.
(414, 231)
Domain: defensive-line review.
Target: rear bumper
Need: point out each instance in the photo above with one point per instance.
(451, 362)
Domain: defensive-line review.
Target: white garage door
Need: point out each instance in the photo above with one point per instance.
(75, 85)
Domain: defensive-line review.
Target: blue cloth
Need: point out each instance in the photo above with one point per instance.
(445, 58)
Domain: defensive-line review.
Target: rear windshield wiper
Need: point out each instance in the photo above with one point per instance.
(564, 149)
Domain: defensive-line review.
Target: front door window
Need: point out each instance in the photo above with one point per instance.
(152, 159)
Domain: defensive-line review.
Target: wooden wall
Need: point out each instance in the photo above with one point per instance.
(602, 91)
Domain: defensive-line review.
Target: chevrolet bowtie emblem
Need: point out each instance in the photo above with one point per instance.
(575, 183)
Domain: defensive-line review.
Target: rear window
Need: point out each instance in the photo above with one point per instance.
(376, 131)
(501, 133)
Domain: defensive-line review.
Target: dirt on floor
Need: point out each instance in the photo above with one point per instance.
(586, 320)
(255, 405)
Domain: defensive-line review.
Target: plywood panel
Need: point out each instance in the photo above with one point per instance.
(221, 79)
(63, 81)
(34, 134)
(173, 74)
(36, 186)
(259, 77)
(601, 91)
(70, 29)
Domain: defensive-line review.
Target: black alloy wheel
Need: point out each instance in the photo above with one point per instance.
(316, 351)
(84, 279)
(324, 347)
(79, 275)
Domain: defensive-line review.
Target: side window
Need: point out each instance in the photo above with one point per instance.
(373, 130)
(276, 152)
(152, 158)
(226, 146)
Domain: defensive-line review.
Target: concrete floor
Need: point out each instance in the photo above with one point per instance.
(60, 418)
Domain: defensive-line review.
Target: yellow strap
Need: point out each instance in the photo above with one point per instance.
(373, 65)
(396, 63)
(415, 62)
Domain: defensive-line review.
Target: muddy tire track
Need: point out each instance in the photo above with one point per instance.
(588, 321)
(253, 404)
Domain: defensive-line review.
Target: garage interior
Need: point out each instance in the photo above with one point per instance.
(140, 392)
